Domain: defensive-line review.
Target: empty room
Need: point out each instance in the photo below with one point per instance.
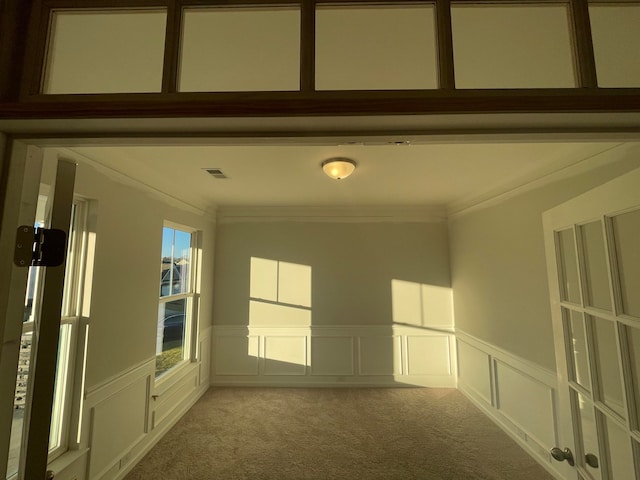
(319, 240)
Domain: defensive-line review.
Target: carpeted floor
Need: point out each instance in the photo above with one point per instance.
(341, 434)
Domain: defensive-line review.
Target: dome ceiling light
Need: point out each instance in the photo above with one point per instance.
(339, 167)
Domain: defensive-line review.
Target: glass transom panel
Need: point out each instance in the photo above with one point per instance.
(377, 48)
(240, 49)
(616, 44)
(512, 46)
(105, 52)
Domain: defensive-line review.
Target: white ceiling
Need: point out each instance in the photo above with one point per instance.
(415, 175)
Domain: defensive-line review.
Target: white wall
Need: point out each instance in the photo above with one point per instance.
(125, 410)
(372, 303)
(498, 264)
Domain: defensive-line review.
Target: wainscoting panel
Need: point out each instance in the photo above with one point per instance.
(523, 393)
(428, 355)
(474, 371)
(380, 355)
(373, 355)
(332, 356)
(516, 393)
(285, 355)
(236, 355)
(125, 399)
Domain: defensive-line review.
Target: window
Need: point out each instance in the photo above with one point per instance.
(176, 308)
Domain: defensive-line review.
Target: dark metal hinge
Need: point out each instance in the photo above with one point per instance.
(39, 247)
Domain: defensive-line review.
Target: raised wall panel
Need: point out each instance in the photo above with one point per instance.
(512, 46)
(516, 393)
(236, 355)
(332, 356)
(381, 47)
(105, 52)
(380, 355)
(428, 355)
(474, 370)
(240, 49)
(111, 439)
(285, 355)
(616, 44)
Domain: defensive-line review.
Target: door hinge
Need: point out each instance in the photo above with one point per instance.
(39, 247)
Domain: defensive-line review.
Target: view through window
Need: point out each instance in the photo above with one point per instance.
(176, 299)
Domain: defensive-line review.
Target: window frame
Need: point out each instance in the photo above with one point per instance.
(190, 335)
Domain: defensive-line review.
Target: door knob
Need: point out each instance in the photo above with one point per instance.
(562, 455)
(50, 475)
(591, 460)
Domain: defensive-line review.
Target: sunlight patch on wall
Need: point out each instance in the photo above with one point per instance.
(421, 305)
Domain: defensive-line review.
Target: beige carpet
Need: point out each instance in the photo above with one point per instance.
(341, 434)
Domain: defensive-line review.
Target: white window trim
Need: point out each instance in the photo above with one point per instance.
(191, 333)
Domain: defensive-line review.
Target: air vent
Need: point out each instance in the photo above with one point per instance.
(215, 172)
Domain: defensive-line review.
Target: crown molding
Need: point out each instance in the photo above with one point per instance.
(124, 179)
(379, 214)
(539, 179)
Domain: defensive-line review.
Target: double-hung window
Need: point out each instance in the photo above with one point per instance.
(176, 310)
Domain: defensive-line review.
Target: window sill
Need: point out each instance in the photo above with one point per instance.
(65, 460)
(165, 381)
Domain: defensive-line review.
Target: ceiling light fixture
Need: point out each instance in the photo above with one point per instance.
(338, 168)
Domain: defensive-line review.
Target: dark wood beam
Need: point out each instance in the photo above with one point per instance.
(14, 20)
(265, 104)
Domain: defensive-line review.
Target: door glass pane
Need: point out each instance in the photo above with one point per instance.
(597, 292)
(620, 452)
(633, 335)
(569, 284)
(626, 233)
(170, 339)
(105, 52)
(608, 367)
(578, 347)
(589, 432)
(512, 46)
(379, 47)
(240, 49)
(616, 44)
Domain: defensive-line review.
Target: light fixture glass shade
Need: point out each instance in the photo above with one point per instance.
(338, 168)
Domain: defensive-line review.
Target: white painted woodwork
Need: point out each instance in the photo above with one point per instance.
(333, 355)
(240, 49)
(512, 46)
(428, 355)
(285, 355)
(236, 355)
(105, 51)
(474, 371)
(375, 47)
(380, 355)
(518, 395)
(601, 421)
(616, 44)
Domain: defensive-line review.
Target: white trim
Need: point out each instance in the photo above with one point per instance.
(531, 374)
(538, 179)
(535, 371)
(332, 214)
(115, 383)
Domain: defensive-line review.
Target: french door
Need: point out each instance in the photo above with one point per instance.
(593, 259)
(32, 378)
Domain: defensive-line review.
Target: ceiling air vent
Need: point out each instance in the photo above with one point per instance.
(215, 172)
